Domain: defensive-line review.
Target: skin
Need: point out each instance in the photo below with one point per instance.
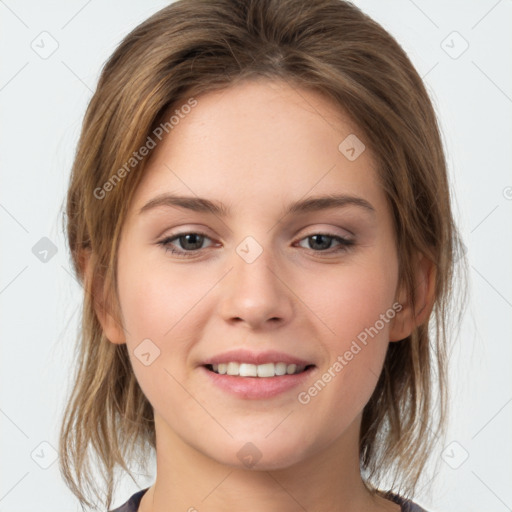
(257, 147)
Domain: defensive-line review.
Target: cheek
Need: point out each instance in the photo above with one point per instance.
(156, 299)
(355, 304)
(351, 299)
(157, 302)
(154, 303)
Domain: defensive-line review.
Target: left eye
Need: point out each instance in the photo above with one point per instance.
(324, 241)
(191, 243)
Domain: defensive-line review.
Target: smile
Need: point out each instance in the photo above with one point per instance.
(256, 370)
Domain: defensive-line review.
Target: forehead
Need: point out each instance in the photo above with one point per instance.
(264, 140)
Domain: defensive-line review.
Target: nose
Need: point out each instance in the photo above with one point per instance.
(256, 293)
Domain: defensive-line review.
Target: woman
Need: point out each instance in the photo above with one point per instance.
(260, 215)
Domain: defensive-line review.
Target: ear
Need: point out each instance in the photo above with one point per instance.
(111, 326)
(407, 319)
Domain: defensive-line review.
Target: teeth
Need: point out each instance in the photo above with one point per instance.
(266, 370)
(291, 369)
(280, 369)
(248, 370)
(233, 369)
(257, 370)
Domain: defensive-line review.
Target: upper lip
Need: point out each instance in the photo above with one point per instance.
(246, 356)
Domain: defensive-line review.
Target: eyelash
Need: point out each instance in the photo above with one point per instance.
(345, 244)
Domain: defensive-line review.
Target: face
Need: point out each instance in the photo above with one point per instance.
(246, 281)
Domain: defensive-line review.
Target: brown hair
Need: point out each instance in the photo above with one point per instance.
(196, 46)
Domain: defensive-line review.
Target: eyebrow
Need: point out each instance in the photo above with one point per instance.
(312, 204)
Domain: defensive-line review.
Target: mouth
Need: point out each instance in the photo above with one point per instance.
(262, 371)
(248, 381)
(246, 374)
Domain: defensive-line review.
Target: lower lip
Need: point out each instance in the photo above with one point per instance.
(257, 388)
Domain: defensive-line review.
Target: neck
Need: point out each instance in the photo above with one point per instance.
(189, 480)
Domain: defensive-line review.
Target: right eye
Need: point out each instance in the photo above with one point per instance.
(185, 239)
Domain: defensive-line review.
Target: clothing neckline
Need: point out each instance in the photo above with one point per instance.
(132, 505)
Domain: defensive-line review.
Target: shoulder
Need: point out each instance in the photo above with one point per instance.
(405, 504)
(132, 504)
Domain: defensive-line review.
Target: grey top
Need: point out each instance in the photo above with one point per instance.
(132, 505)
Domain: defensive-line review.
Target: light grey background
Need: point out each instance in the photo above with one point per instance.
(43, 99)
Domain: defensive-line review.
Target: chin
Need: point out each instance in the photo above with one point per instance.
(261, 454)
